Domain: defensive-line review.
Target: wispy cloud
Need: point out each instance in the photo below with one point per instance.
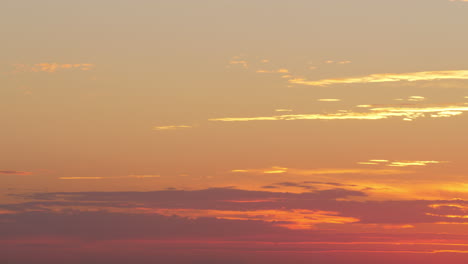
(12, 172)
(401, 163)
(292, 219)
(82, 178)
(143, 176)
(171, 127)
(273, 71)
(238, 60)
(326, 171)
(337, 62)
(406, 113)
(387, 77)
(414, 98)
(51, 67)
(329, 100)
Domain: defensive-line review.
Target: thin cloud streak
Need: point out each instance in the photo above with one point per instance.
(105, 178)
(401, 163)
(387, 77)
(291, 219)
(329, 100)
(171, 127)
(51, 67)
(330, 171)
(406, 113)
(12, 172)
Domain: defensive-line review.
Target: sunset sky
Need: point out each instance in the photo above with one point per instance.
(234, 131)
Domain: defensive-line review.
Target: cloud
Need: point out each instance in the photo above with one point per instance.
(282, 70)
(309, 185)
(132, 235)
(416, 98)
(278, 208)
(292, 219)
(171, 127)
(388, 77)
(337, 62)
(326, 171)
(376, 113)
(329, 100)
(237, 60)
(81, 178)
(209, 196)
(105, 178)
(12, 172)
(52, 67)
(401, 163)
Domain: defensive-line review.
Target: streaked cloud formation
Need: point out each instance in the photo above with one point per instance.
(401, 163)
(387, 77)
(378, 113)
(329, 100)
(52, 67)
(120, 113)
(291, 219)
(171, 127)
(12, 172)
(105, 178)
(327, 171)
(337, 62)
(238, 60)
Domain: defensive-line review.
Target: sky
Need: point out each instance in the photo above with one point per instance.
(233, 131)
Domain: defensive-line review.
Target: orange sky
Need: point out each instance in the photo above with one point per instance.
(227, 131)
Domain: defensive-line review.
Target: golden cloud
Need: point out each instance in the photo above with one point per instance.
(170, 127)
(388, 77)
(406, 113)
(401, 163)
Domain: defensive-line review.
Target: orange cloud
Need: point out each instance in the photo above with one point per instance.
(81, 178)
(105, 178)
(401, 163)
(292, 219)
(280, 170)
(51, 67)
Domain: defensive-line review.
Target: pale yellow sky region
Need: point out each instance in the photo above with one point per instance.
(240, 132)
